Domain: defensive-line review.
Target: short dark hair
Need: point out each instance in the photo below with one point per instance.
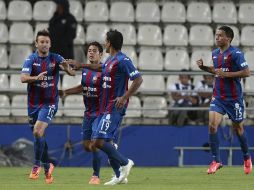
(115, 38)
(228, 31)
(43, 32)
(95, 43)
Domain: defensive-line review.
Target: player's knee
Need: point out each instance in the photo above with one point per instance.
(37, 133)
(238, 130)
(87, 147)
(212, 128)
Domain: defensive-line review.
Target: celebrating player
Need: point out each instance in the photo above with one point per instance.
(229, 66)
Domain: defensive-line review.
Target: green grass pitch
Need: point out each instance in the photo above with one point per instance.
(166, 178)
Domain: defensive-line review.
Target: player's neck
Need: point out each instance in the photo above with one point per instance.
(42, 54)
(224, 48)
(112, 52)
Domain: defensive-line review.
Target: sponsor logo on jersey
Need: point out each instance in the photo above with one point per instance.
(36, 64)
(25, 69)
(244, 64)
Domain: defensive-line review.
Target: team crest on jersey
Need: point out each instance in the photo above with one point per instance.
(225, 57)
(51, 65)
(94, 78)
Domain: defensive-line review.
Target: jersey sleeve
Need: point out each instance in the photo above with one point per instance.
(59, 59)
(238, 58)
(129, 68)
(27, 66)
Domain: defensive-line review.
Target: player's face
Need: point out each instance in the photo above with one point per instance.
(93, 54)
(43, 44)
(221, 38)
(107, 45)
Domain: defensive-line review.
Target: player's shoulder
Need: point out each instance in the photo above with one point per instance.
(123, 57)
(216, 51)
(55, 56)
(31, 57)
(235, 50)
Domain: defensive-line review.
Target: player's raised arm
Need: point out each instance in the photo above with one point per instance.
(209, 69)
(77, 65)
(26, 78)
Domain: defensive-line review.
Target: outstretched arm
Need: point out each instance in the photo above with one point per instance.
(26, 78)
(69, 91)
(77, 65)
(209, 69)
(66, 67)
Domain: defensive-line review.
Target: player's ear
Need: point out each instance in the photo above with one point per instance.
(36, 44)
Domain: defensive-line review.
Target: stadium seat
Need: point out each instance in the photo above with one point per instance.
(173, 12)
(40, 26)
(176, 60)
(3, 57)
(157, 87)
(201, 35)
(21, 33)
(4, 36)
(80, 36)
(19, 105)
(19, 10)
(128, 31)
(199, 12)
(249, 56)
(71, 81)
(246, 13)
(159, 104)
(171, 80)
(175, 35)
(74, 106)
(60, 110)
(18, 54)
(76, 10)
(96, 32)
(147, 12)
(134, 107)
(206, 55)
(16, 84)
(247, 36)
(4, 82)
(149, 35)
(4, 105)
(131, 53)
(249, 83)
(96, 11)
(79, 53)
(250, 113)
(197, 79)
(3, 11)
(150, 59)
(121, 12)
(43, 10)
(224, 12)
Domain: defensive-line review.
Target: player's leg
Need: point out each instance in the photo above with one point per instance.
(96, 160)
(216, 113)
(45, 117)
(235, 110)
(103, 134)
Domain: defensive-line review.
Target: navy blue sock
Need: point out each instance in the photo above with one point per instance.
(39, 144)
(116, 166)
(111, 151)
(214, 144)
(45, 158)
(96, 163)
(244, 145)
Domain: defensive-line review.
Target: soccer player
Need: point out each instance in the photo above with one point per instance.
(116, 72)
(41, 72)
(90, 87)
(229, 66)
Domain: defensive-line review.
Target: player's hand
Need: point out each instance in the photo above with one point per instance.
(199, 62)
(74, 64)
(41, 75)
(220, 73)
(120, 102)
(62, 93)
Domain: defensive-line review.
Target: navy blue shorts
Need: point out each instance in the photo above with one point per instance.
(106, 125)
(46, 113)
(87, 127)
(234, 109)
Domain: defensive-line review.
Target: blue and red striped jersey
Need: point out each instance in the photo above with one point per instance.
(116, 72)
(43, 92)
(231, 60)
(91, 82)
